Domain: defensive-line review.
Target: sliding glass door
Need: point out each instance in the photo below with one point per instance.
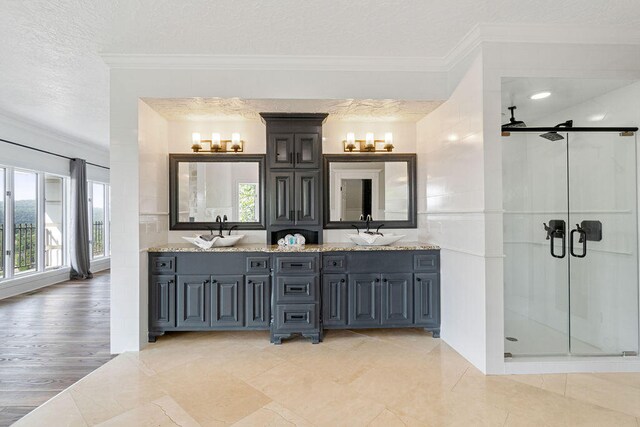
(570, 244)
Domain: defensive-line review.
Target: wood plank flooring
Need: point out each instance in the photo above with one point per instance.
(49, 339)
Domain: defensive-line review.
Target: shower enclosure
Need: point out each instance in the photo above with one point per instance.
(570, 242)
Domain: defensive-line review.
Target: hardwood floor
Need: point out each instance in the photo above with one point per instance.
(49, 339)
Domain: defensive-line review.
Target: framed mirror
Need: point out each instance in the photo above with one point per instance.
(205, 186)
(383, 186)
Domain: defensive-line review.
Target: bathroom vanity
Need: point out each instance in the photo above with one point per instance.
(293, 290)
(293, 189)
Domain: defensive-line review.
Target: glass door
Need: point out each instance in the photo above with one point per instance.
(536, 265)
(603, 244)
(570, 244)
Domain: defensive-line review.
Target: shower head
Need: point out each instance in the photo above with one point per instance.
(513, 123)
(555, 136)
(552, 136)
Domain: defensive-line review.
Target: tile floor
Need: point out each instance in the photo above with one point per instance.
(355, 378)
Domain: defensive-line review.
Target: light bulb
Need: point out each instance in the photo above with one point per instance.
(369, 139)
(351, 138)
(215, 140)
(195, 138)
(388, 138)
(235, 141)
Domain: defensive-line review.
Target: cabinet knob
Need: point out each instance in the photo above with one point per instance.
(419, 279)
(335, 263)
(250, 281)
(341, 280)
(377, 280)
(206, 281)
(384, 280)
(171, 282)
(163, 264)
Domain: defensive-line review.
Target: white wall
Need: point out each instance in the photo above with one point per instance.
(451, 210)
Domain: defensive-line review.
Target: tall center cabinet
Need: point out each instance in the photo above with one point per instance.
(294, 178)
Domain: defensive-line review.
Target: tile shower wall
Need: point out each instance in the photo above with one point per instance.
(451, 210)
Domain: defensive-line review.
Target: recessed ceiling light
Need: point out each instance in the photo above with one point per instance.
(540, 95)
(597, 117)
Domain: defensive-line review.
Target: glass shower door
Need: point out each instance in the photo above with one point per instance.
(536, 220)
(603, 244)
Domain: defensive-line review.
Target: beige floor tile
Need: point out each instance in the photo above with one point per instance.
(555, 383)
(163, 412)
(388, 418)
(60, 411)
(354, 378)
(604, 392)
(274, 415)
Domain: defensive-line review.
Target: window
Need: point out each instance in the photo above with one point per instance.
(54, 220)
(248, 203)
(99, 219)
(25, 221)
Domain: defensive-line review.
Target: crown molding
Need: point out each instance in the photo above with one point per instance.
(480, 33)
(274, 62)
(46, 132)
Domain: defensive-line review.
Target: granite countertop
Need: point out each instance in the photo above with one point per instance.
(325, 247)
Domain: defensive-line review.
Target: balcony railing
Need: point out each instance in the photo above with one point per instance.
(25, 247)
(98, 239)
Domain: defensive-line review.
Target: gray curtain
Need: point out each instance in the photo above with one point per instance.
(79, 251)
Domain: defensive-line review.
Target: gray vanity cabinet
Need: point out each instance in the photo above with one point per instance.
(294, 198)
(162, 301)
(294, 151)
(397, 299)
(227, 300)
(364, 299)
(193, 301)
(427, 299)
(258, 301)
(334, 300)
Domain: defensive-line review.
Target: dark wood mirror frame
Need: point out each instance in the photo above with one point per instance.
(175, 159)
(410, 159)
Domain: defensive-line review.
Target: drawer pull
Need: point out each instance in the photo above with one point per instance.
(163, 264)
(296, 264)
(296, 289)
(297, 317)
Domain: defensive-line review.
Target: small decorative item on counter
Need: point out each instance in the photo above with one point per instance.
(292, 240)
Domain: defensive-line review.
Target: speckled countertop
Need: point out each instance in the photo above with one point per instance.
(325, 247)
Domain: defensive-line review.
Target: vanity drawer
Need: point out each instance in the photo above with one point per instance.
(296, 264)
(426, 262)
(334, 263)
(296, 318)
(258, 264)
(297, 289)
(163, 264)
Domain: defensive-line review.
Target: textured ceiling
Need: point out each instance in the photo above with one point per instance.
(52, 73)
(365, 110)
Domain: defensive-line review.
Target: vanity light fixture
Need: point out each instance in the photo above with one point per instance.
(216, 144)
(369, 144)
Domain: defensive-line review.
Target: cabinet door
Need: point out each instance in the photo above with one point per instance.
(281, 151)
(306, 197)
(307, 151)
(193, 292)
(227, 300)
(427, 299)
(364, 299)
(397, 299)
(258, 301)
(281, 204)
(162, 302)
(334, 299)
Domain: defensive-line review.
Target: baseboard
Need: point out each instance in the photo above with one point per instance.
(35, 281)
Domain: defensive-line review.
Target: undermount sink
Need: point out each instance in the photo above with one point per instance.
(217, 241)
(363, 239)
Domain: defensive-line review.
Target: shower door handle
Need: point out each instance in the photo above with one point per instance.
(556, 230)
(583, 240)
